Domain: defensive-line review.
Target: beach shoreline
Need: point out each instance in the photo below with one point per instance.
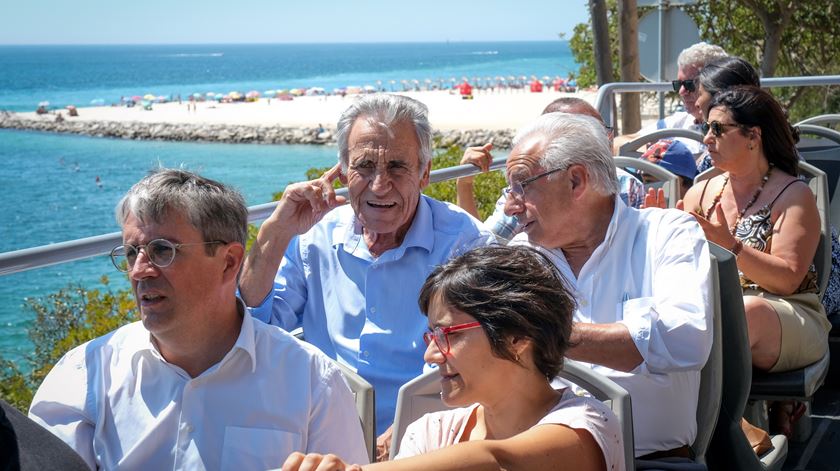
(304, 120)
(490, 116)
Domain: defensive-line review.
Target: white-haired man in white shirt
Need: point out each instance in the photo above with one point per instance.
(197, 384)
(641, 277)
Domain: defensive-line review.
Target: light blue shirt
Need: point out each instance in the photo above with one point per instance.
(362, 310)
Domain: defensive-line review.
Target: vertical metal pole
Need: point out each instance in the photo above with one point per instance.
(663, 4)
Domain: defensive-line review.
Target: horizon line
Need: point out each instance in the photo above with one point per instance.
(447, 41)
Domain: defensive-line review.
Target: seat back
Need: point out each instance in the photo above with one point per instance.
(664, 178)
(711, 377)
(822, 120)
(629, 149)
(364, 396)
(824, 153)
(606, 390)
(729, 448)
(421, 396)
(416, 398)
(818, 182)
(365, 406)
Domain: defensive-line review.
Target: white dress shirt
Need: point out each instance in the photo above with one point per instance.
(652, 274)
(119, 404)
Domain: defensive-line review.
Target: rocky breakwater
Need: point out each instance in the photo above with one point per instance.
(229, 133)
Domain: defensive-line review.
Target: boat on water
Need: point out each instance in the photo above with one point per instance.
(811, 445)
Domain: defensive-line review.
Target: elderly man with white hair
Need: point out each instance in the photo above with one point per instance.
(689, 64)
(350, 275)
(641, 277)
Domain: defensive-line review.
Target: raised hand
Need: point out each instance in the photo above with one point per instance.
(655, 198)
(717, 231)
(304, 204)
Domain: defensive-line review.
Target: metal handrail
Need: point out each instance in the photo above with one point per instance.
(606, 93)
(43, 256)
(52, 254)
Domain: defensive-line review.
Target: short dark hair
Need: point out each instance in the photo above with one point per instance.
(513, 292)
(726, 72)
(753, 107)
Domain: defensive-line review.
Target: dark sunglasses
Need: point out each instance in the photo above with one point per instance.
(717, 127)
(688, 84)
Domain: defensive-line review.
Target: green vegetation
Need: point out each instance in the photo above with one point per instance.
(781, 39)
(62, 321)
(75, 314)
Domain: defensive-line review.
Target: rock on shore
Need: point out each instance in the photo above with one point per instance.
(227, 133)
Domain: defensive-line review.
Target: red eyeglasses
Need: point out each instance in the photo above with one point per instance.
(441, 335)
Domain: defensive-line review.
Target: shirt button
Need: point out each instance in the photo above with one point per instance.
(366, 353)
(584, 303)
(373, 310)
(189, 428)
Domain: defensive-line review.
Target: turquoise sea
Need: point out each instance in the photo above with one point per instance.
(49, 181)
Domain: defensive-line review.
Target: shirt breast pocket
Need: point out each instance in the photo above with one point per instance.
(257, 448)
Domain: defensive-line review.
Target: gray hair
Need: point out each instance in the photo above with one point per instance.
(217, 211)
(386, 110)
(574, 139)
(700, 54)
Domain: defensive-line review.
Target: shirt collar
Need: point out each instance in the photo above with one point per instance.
(418, 235)
(246, 341)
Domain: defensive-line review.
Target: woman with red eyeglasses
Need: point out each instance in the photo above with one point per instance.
(499, 324)
(768, 218)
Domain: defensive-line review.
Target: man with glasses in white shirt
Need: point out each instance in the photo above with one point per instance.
(197, 383)
(641, 277)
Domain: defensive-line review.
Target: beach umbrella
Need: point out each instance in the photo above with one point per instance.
(136, 98)
(352, 90)
(149, 97)
(162, 99)
(252, 95)
(392, 84)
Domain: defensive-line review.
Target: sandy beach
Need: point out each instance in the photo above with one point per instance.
(507, 109)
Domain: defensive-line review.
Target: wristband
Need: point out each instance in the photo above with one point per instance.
(736, 249)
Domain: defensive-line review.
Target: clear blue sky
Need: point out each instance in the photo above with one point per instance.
(283, 21)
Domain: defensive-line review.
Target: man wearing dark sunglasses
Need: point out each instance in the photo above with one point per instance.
(197, 383)
(689, 64)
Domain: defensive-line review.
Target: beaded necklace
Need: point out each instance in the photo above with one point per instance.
(752, 201)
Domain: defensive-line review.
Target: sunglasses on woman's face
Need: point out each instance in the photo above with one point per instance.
(688, 84)
(717, 127)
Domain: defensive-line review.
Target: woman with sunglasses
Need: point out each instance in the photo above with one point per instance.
(499, 323)
(716, 77)
(768, 218)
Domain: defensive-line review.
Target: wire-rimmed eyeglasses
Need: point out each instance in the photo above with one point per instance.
(160, 252)
(440, 335)
(518, 188)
